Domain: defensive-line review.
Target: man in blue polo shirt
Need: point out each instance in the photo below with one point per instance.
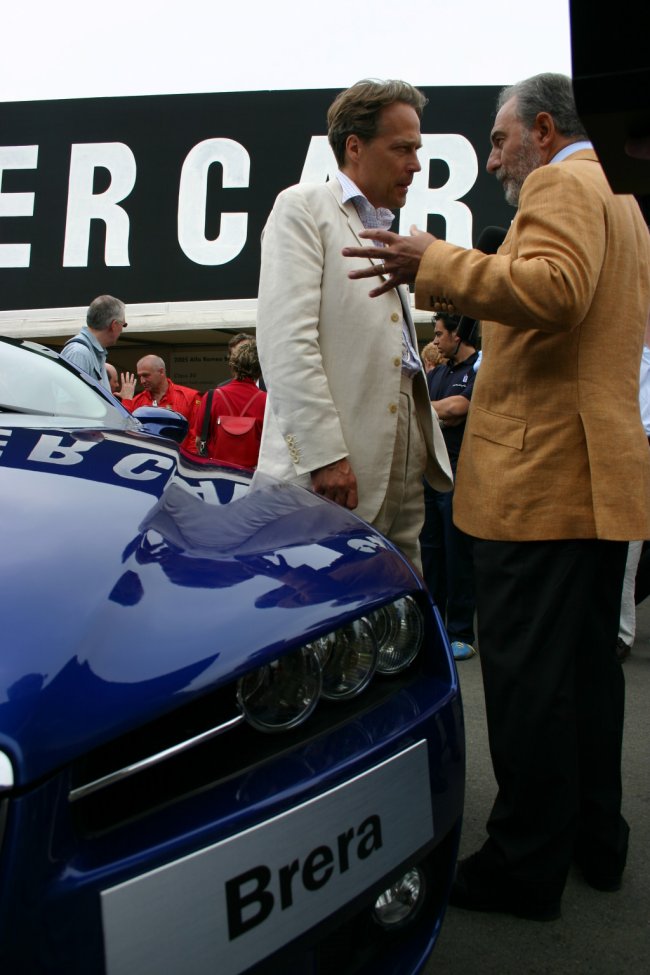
(88, 349)
(446, 551)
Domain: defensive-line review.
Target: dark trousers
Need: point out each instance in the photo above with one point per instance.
(447, 566)
(548, 616)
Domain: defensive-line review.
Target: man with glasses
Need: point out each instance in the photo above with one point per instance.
(105, 320)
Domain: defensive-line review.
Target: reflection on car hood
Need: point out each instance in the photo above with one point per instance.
(132, 580)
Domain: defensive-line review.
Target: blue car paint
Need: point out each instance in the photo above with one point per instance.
(135, 580)
(113, 606)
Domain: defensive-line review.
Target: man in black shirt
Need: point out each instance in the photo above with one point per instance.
(446, 551)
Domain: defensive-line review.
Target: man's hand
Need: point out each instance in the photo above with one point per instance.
(127, 389)
(400, 257)
(337, 482)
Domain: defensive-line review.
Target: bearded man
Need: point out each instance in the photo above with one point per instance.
(553, 481)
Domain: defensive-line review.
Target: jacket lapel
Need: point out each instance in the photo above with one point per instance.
(355, 225)
(350, 212)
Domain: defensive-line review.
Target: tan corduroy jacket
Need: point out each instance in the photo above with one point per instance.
(554, 446)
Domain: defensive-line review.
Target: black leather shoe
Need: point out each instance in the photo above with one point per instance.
(604, 873)
(600, 880)
(476, 888)
(602, 868)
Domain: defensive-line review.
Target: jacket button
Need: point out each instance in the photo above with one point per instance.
(394, 317)
(393, 408)
(397, 361)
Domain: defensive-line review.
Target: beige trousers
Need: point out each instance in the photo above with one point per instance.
(401, 516)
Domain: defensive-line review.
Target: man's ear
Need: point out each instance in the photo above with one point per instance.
(545, 128)
(352, 147)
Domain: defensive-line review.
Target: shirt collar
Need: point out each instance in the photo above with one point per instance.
(570, 149)
(468, 362)
(369, 215)
(94, 341)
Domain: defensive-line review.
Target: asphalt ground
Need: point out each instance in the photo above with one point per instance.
(599, 933)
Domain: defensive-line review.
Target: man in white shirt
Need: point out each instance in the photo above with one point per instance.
(361, 437)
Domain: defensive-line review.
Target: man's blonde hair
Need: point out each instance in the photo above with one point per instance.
(356, 110)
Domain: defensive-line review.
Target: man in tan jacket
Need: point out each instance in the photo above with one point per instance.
(553, 480)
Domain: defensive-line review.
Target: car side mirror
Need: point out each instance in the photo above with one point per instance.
(160, 422)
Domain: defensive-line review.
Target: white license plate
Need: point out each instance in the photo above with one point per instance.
(230, 905)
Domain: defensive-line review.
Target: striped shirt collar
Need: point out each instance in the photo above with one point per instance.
(369, 215)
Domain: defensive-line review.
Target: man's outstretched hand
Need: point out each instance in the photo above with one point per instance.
(400, 257)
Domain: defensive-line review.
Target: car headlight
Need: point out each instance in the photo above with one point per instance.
(336, 666)
(400, 629)
(283, 693)
(6, 773)
(348, 657)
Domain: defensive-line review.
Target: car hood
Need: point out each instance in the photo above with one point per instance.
(133, 579)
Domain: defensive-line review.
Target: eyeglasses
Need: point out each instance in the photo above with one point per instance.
(116, 321)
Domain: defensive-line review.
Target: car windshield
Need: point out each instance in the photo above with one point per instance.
(33, 383)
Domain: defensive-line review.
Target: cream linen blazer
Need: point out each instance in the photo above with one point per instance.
(330, 355)
(554, 446)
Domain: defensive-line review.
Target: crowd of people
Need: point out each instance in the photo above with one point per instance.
(208, 414)
(534, 460)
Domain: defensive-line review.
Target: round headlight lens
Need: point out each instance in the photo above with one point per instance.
(399, 628)
(401, 903)
(348, 657)
(281, 694)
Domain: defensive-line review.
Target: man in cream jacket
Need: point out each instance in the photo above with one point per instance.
(362, 437)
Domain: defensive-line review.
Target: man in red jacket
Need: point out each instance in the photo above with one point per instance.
(158, 390)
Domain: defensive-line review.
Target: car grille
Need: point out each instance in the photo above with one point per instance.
(196, 747)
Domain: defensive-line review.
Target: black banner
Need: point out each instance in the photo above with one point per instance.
(163, 198)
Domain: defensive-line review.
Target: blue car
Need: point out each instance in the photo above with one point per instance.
(231, 734)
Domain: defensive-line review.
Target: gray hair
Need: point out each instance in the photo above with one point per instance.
(552, 93)
(103, 311)
(356, 110)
